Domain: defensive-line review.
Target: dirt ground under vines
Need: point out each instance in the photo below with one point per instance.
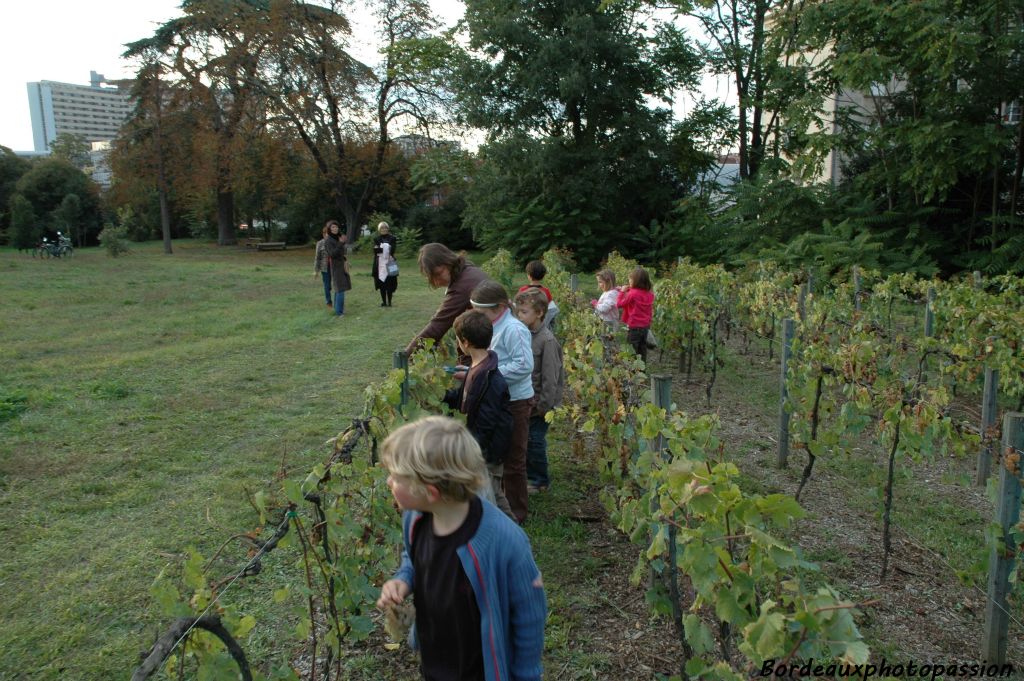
(921, 612)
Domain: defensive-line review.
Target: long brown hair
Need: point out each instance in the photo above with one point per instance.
(639, 278)
(435, 255)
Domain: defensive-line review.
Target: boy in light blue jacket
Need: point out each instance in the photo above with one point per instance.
(513, 344)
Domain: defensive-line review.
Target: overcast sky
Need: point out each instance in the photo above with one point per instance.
(63, 40)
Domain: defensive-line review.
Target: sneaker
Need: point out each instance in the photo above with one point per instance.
(536, 489)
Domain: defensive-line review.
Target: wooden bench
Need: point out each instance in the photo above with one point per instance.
(271, 246)
(252, 242)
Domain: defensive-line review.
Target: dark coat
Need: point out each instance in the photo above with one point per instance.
(391, 283)
(335, 250)
(486, 408)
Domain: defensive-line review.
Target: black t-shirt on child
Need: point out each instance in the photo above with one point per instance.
(447, 616)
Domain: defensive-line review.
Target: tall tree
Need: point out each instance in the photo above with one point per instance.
(750, 42)
(11, 169)
(929, 141)
(215, 49)
(25, 228)
(69, 215)
(143, 143)
(313, 86)
(46, 185)
(336, 104)
(577, 154)
(72, 148)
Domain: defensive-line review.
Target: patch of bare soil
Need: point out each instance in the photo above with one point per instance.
(617, 629)
(921, 612)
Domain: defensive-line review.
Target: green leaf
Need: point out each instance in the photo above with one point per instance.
(244, 626)
(728, 608)
(856, 652)
(698, 635)
(360, 626)
(767, 634)
(293, 491)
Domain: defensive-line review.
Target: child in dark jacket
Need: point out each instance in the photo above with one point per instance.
(483, 397)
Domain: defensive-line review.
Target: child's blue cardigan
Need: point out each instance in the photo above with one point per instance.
(505, 579)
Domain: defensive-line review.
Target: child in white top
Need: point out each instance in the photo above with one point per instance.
(605, 306)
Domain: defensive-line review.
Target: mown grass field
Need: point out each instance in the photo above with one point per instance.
(139, 398)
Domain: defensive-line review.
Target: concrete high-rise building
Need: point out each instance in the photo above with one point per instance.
(93, 111)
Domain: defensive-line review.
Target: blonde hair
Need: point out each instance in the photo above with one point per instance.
(437, 451)
(608, 277)
(384, 228)
(534, 298)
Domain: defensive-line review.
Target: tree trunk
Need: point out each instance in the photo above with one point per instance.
(226, 219)
(161, 174)
(995, 184)
(165, 217)
(1018, 168)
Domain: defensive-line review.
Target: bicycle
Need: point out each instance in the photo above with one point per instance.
(61, 248)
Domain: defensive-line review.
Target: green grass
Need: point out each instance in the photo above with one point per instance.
(140, 398)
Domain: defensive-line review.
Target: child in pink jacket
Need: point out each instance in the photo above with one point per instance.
(636, 300)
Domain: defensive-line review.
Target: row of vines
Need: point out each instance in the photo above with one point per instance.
(712, 553)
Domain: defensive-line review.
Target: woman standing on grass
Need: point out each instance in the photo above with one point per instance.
(334, 247)
(384, 245)
(321, 267)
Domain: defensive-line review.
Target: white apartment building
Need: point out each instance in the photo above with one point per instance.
(93, 111)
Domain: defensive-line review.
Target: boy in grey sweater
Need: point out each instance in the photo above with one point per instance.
(548, 384)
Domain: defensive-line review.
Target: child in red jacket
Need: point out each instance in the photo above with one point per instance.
(636, 300)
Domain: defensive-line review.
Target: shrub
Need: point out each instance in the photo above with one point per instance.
(114, 240)
(502, 269)
(410, 238)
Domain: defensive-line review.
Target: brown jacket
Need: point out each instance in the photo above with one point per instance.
(338, 263)
(456, 301)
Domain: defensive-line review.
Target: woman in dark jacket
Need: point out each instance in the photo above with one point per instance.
(384, 245)
(334, 248)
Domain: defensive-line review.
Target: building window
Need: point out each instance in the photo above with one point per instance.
(1011, 112)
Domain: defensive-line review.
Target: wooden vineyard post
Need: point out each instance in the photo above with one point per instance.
(997, 617)
(400, 360)
(660, 387)
(977, 279)
(929, 314)
(788, 327)
(988, 421)
(574, 282)
(801, 302)
(856, 288)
